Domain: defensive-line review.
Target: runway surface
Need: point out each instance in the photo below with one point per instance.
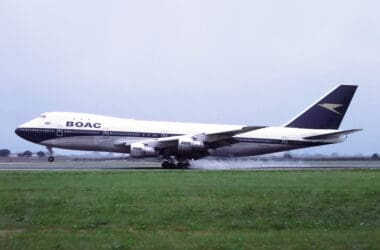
(198, 165)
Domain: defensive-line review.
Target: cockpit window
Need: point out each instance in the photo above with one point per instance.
(43, 116)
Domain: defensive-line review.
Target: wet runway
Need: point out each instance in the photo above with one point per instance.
(77, 165)
(198, 165)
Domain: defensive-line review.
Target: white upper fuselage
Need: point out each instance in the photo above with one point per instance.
(101, 133)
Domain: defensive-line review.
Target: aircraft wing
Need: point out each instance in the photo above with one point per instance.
(213, 140)
(214, 137)
(225, 138)
(333, 135)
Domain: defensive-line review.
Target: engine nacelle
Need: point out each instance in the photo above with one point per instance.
(140, 150)
(188, 145)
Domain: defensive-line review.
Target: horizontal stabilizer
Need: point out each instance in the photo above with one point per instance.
(331, 136)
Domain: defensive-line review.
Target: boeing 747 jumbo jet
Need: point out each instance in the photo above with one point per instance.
(178, 143)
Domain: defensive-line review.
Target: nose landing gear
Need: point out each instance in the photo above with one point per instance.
(51, 157)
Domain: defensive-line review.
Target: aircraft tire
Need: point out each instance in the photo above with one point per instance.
(166, 165)
(183, 165)
(51, 159)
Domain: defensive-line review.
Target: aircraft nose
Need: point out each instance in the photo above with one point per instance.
(27, 134)
(20, 132)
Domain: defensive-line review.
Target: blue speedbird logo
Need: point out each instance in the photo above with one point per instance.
(71, 124)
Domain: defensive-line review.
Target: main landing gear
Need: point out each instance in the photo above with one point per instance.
(173, 165)
(51, 157)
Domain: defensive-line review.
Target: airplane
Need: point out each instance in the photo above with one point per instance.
(179, 143)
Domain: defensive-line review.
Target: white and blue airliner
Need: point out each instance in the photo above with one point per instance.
(177, 143)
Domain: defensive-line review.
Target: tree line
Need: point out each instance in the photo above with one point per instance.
(27, 153)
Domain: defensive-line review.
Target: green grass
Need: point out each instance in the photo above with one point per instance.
(190, 210)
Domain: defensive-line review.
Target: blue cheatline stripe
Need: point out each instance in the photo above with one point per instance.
(42, 134)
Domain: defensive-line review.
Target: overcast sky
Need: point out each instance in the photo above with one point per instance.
(237, 62)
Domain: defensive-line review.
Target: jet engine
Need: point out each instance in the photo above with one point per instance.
(189, 146)
(140, 150)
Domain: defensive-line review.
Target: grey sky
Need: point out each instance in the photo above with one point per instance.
(248, 62)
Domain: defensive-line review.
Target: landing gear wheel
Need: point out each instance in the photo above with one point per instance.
(183, 165)
(173, 164)
(166, 165)
(51, 157)
(169, 165)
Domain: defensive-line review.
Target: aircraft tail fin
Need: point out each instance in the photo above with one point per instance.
(328, 112)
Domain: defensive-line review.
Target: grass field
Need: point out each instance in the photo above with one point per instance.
(190, 210)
